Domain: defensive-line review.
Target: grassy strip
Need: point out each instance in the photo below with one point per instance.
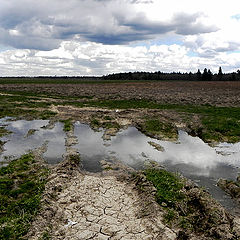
(156, 127)
(44, 94)
(219, 123)
(21, 185)
(24, 106)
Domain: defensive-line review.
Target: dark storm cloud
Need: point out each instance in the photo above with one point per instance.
(44, 24)
(187, 24)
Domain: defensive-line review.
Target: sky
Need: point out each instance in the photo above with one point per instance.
(99, 37)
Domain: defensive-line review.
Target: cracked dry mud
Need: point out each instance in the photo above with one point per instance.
(77, 205)
(103, 208)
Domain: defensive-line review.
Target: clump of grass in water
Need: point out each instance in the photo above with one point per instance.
(3, 131)
(67, 125)
(21, 185)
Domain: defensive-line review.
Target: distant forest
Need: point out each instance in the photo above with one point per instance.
(206, 75)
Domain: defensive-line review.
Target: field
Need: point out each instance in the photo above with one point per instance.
(173, 92)
(118, 202)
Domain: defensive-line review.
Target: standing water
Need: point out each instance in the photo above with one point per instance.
(27, 135)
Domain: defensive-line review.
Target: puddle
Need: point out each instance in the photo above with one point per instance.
(90, 146)
(28, 135)
(189, 155)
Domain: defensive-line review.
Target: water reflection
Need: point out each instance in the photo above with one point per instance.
(28, 135)
(91, 147)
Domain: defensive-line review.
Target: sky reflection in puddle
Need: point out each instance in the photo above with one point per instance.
(20, 142)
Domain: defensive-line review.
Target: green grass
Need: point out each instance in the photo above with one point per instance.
(196, 212)
(45, 236)
(3, 131)
(67, 125)
(219, 123)
(24, 106)
(105, 124)
(95, 122)
(154, 126)
(21, 185)
(107, 118)
(44, 94)
(168, 186)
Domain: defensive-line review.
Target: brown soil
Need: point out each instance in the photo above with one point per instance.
(214, 93)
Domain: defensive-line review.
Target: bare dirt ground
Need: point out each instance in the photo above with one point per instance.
(214, 93)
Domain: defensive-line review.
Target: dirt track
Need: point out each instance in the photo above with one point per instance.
(214, 93)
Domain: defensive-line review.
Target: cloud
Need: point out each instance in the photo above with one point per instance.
(87, 58)
(28, 24)
(78, 37)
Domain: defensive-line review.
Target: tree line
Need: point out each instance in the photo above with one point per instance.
(205, 75)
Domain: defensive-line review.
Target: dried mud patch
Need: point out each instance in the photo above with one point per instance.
(81, 206)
